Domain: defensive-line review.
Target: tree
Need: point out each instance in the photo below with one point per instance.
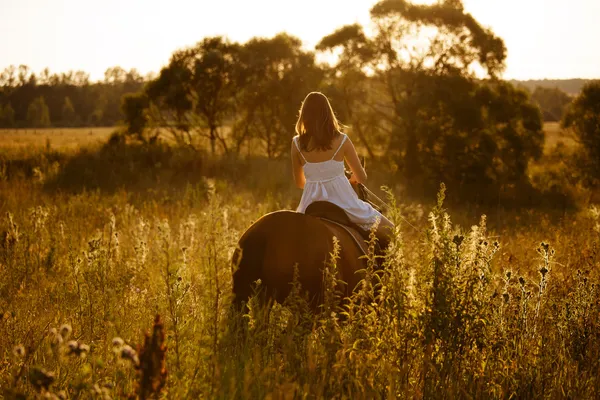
(7, 116)
(23, 74)
(68, 114)
(450, 40)
(134, 106)
(38, 115)
(115, 75)
(552, 102)
(350, 88)
(8, 78)
(96, 103)
(438, 116)
(44, 77)
(275, 75)
(81, 78)
(214, 84)
(583, 117)
(195, 93)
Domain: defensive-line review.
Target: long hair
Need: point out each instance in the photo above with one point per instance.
(316, 123)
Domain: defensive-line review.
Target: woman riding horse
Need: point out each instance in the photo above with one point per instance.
(271, 247)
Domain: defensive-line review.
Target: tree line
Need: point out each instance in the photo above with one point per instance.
(571, 87)
(29, 100)
(421, 111)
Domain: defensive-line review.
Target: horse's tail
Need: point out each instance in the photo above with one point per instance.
(247, 263)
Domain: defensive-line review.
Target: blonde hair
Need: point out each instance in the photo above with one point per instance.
(317, 122)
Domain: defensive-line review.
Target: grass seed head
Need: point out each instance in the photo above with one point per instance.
(128, 353)
(117, 342)
(77, 349)
(19, 350)
(65, 331)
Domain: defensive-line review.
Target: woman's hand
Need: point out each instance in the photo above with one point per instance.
(353, 180)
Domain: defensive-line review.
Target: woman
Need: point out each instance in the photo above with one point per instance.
(318, 153)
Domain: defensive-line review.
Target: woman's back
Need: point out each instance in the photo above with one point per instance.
(323, 165)
(316, 155)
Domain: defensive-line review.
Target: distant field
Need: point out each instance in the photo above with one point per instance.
(73, 138)
(63, 138)
(555, 134)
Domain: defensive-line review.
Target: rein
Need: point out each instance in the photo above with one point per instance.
(368, 196)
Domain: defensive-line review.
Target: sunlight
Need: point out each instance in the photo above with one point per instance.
(142, 34)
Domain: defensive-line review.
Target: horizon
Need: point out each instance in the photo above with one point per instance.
(142, 35)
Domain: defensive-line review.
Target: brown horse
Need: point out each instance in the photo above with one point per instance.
(270, 248)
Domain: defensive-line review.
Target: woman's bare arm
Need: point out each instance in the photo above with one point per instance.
(297, 170)
(358, 172)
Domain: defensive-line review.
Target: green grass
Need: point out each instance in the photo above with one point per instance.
(104, 239)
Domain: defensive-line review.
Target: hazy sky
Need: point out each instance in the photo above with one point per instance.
(545, 38)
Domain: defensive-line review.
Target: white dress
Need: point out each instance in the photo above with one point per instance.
(326, 181)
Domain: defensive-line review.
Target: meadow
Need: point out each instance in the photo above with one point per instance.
(115, 282)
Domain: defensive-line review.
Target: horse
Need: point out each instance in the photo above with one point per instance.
(277, 242)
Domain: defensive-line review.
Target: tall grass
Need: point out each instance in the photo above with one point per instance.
(477, 312)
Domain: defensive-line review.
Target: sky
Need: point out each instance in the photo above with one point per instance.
(554, 39)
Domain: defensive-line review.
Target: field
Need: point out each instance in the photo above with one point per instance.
(73, 138)
(95, 244)
(555, 134)
(61, 138)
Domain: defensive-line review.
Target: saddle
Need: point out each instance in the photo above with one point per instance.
(333, 213)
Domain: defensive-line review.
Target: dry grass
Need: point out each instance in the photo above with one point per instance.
(472, 311)
(74, 138)
(555, 135)
(62, 139)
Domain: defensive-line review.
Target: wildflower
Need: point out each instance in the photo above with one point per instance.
(543, 271)
(57, 339)
(117, 342)
(506, 297)
(128, 353)
(544, 248)
(76, 348)
(458, 239)
(65, 331)
(19, 350)
(522, 281)
(72, 345)
(508, 275)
